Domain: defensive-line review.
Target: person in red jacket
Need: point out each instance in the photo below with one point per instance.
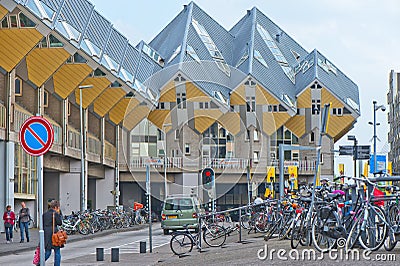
(9, 220)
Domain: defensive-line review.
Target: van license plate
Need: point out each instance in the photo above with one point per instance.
(172, 216)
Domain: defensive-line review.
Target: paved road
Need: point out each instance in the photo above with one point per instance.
(127, 242)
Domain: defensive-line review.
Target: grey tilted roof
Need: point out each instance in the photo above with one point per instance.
(89, 31)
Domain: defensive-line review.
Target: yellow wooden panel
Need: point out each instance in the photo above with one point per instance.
(193, 92)
(231, 122)
(3, 11)
(304, 99)
(339, 123)
(68, 78)
(89, 95)
(133, 118)
(168, 93)
(203, 119)
(107, 100)
(273, 121)
(158, 117)
(343, 132)
(119, 111)
(15, 45)
(327, 97)
(238, 96)
(43, 62)
(268, 96)
(297, 125)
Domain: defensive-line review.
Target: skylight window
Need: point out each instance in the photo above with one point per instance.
(190, 51)
(125, 75)
(41, 10)
(110, 63)
(296, 55)
(352, 104)
(258, 56)
(138, 86)
(177, 51)
(244, 57)
(211, 47)
(219, 97)
(287, 100)
(91, 48)
(153, 54)
(269, 41)
(72, 33)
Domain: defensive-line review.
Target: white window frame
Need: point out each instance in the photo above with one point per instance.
(187, 148)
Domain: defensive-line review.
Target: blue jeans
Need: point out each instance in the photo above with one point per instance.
(9, 233)
(22, 226)
(57, 256)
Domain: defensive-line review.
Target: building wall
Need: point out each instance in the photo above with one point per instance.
(51, 189)
(103, 187)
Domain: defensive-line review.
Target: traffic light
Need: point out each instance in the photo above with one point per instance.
(208, 176)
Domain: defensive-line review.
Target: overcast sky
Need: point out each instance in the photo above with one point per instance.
(361, 37)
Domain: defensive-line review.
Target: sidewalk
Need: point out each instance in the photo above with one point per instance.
(17, 247)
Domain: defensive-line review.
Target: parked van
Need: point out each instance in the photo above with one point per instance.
(179, 210)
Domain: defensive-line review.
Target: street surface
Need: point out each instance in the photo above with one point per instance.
(82, 252)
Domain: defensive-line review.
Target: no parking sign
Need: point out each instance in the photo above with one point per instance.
(36, 135)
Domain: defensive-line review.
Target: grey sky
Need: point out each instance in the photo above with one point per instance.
(361, 37)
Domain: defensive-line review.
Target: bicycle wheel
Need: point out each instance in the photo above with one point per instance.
(245, 221)
(181, 244)
(214, 235)
(298, 232)
(82, 228)
(355, 231)
(322, 231)
(375, 232)
(390, 242)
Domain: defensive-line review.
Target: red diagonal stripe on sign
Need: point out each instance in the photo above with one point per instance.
(36, 136)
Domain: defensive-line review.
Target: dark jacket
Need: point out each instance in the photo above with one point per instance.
(48, 226)
(24, 215)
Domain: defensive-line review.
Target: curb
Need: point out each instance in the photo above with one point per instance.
(79, 238)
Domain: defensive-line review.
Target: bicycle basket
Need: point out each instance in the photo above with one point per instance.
(325, 213)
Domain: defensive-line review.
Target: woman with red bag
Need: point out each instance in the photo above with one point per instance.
(9, 220)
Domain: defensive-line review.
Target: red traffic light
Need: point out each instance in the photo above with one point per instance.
(208, 173)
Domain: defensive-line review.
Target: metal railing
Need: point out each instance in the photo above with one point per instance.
(93, 145)
(303, 165)
(3, 115)
(74, 139)
(110, 151)
(20, 115)
(226, 163)
(157, 162)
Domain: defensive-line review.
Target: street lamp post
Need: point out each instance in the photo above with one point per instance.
(376, 108)
(83, 150)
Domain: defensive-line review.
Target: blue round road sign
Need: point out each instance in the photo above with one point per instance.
(36, 135)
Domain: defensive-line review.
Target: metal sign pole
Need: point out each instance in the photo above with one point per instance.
(148, 190)
(39, 172)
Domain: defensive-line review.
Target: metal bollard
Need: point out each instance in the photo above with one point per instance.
(115, 255)
(99, 254)
(142, 246)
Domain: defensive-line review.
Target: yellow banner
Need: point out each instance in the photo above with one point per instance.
(270, 174)
(341, 169)
(390, 169)
(293, 176)
(318, 181)
(366, 169)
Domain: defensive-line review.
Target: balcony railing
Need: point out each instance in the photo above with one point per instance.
(20, 115)
(141, 162)
(226, 163)
(93, 145)
(3, 115)
(109, 150)
(304, 166)
(74, 138)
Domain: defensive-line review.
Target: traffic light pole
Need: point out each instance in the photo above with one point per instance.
(148, 190)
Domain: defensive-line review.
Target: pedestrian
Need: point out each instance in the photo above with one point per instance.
(48, 231)
(24, 219)
(9, 220)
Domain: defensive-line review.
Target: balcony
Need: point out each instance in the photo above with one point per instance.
(305, 167)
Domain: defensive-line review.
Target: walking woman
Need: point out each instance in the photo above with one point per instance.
(9, 220)
(52, 219)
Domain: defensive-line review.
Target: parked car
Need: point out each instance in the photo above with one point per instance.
(179, 210)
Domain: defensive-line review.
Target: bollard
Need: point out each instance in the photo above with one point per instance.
(142, 246)
(115, 255)
(99, 254)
